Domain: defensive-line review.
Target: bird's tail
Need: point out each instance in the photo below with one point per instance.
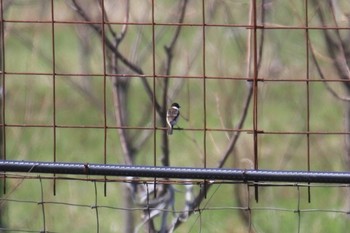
(170, 130)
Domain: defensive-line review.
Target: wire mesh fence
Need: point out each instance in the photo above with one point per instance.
(262, 87)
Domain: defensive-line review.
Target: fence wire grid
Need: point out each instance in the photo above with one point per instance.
(263, 86)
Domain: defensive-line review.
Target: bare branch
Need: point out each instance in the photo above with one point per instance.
(108, 43)
(125, 25)
(235, 137)
(199, 198)
(335, 50)
(120, 107)
(169, 52)
(334, 46)
(114, 34)
(322, 76)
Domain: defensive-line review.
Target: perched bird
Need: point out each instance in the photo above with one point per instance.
(172, 116)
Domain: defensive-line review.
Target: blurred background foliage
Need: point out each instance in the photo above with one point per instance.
(79, 98)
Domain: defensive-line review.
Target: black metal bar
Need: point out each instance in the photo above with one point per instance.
(175, 172)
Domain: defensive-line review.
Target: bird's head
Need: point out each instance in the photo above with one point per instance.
(175, 105)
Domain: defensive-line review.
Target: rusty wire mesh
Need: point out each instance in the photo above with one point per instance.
(262, 84)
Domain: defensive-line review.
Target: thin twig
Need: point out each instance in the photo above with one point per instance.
(169, 52)
(198, 200)
(106, 19)
(322, 76)
(330, 45)
(125, 25)
(108, 43)
(342, 59)
(235, 137)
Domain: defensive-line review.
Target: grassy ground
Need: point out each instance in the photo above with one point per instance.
(282, 107)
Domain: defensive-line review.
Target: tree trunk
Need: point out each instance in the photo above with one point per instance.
(129, 217)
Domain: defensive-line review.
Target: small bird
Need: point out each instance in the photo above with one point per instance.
(172, 116)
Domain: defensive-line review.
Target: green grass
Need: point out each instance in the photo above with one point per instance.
(282, 107)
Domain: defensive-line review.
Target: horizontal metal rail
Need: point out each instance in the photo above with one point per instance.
(175, 172)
